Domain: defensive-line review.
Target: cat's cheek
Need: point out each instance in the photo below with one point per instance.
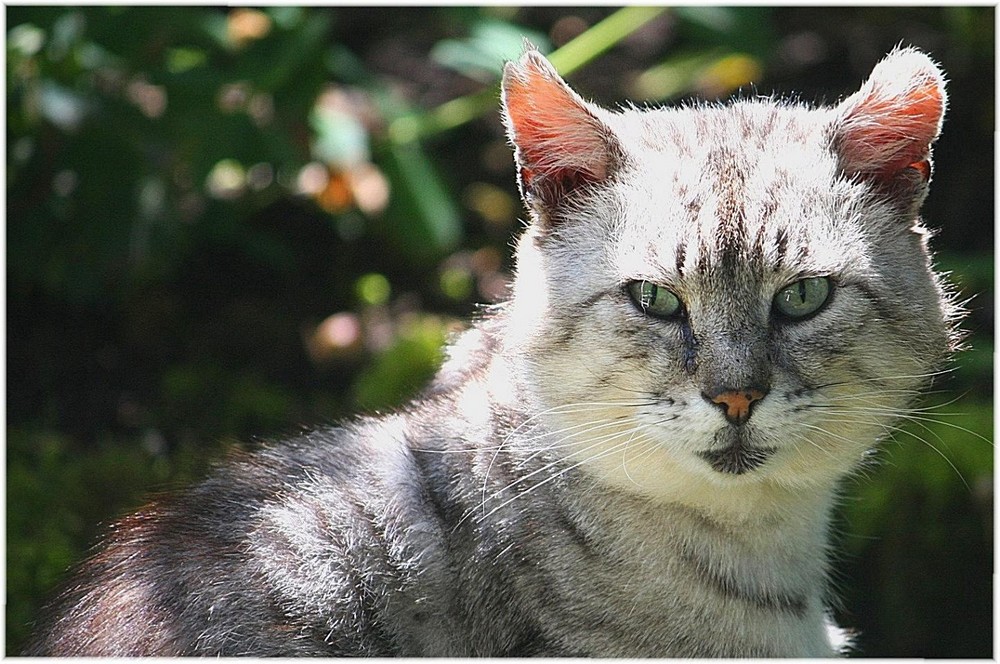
(820, 457)
(660, 458)
(821, 435)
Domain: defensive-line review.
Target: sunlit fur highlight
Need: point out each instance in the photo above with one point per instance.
(551, 493)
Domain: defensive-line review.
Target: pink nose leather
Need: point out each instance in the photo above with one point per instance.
(737, 403)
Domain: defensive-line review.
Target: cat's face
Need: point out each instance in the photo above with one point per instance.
(719, 296)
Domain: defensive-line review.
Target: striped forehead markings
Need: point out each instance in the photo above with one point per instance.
(680, 255)
(781, 248)
(729, 186)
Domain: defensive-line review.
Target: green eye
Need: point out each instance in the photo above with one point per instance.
(654, 300)
(803, 298)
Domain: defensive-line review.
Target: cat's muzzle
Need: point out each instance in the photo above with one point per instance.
(734, 452)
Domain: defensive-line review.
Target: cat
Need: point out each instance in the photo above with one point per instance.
(717, 311)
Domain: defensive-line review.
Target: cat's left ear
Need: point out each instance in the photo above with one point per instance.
(885, 130)
(559, 142)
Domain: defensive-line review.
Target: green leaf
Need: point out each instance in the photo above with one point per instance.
(404, 367)
(426, 218)
(491, 43)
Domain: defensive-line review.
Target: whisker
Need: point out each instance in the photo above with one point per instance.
(916, 417)
(651, 447)
(937, 451)
(597, 442)
(601, 455)
(885, 379)
(560, 409)
(635, 431)
(580, 429)
(825, 432)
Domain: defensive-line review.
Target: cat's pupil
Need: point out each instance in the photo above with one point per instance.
(654, 300)
(803, 298)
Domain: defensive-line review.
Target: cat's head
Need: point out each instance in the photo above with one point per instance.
(725, 296)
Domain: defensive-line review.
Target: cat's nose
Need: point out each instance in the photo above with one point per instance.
(736, 404)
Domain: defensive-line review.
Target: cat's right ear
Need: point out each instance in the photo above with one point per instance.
(559, 142)
(885, 130)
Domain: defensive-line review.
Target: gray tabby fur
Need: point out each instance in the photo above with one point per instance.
(550, 493)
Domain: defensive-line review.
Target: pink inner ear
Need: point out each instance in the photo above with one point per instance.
(555, 134)
(887, 130)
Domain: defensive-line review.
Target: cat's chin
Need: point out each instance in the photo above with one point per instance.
(736, 452)
(737, 459)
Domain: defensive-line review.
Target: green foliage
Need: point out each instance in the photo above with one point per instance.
(916, 532)
(402, 368)
(428, 220)
(57, 497)
(226, 224)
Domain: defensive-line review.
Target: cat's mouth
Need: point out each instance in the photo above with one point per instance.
(738, 455)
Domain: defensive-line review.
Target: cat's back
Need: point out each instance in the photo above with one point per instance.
(288, 550)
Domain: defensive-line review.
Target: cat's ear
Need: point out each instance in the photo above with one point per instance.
(559, 142)
(885, 130)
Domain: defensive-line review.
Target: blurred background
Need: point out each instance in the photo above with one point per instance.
(224, 225)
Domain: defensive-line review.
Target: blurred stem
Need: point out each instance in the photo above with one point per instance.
(589, 44)
(568, 58)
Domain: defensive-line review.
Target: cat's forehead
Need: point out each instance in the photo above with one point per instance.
(745, 149)
(754, 180)
(753, 124)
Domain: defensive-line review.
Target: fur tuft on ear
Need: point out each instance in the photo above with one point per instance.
(558, 141)
(888, 126)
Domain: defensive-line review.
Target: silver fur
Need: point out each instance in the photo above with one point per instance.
(550, 493)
